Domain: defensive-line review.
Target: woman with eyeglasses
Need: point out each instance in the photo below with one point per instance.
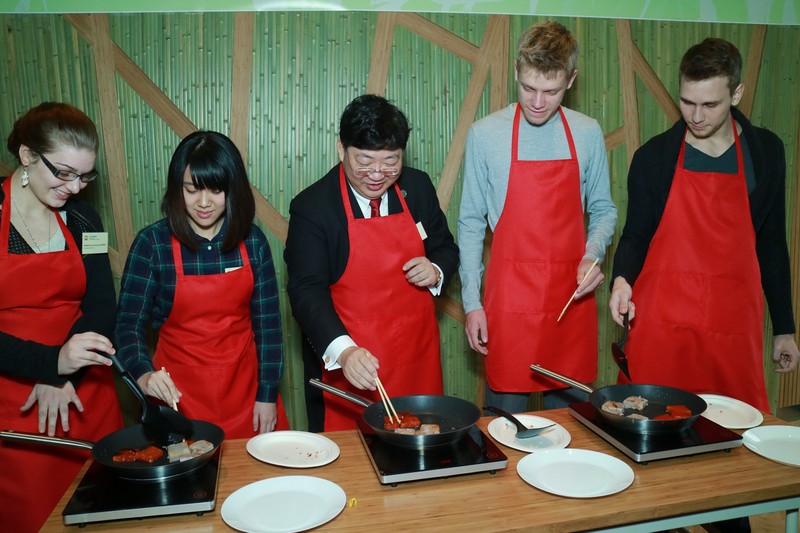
(367, 250)
(57, 309)
(203, 277)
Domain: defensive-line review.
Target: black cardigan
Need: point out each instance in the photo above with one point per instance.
(32, 360)
(649, 181)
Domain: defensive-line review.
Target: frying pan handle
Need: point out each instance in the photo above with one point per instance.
(45, 439)
(563, 379)
(340, 393)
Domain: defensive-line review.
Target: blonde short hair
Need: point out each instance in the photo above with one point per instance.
(548, 47)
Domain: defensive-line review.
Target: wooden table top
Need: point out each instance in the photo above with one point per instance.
(499, 502)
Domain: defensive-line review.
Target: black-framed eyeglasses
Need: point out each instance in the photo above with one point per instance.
(67, 175)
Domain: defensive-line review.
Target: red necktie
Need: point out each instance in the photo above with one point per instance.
(375, 207)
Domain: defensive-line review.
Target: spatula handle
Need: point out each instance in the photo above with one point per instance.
(563, 379)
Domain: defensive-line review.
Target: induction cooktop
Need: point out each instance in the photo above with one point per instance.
(102, 496)
(702, 436)
(395, 464)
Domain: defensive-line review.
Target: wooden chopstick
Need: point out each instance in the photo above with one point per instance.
(384, 399)
(576, 290)
(387, 403)
(174, 403)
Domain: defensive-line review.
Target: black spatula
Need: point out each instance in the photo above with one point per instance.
(617, 349)
(161, 423)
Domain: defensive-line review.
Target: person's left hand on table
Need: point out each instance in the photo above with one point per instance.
(785, 353)
(592, 281)
(421, 272)
(265, 416)
(53, 403)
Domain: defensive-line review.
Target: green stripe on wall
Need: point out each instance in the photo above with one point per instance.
(785, 12)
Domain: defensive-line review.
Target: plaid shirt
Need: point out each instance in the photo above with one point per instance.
(148, 291)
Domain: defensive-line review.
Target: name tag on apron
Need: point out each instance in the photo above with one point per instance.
(94, 242)
(421, 231)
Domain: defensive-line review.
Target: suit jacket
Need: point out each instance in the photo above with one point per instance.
(317, 246)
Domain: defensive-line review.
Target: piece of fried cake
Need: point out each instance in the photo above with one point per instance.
(615, 408)
(634, 402)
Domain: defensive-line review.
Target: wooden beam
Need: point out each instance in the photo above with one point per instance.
(242, 67)
(615, 139)
(116, 264)
(242, 72)
(141, 83)
(654, 85)
(102, 50)
(440, 36)
(381, 53)
(270, 216)
(450, 307)
(752, 69)
(495, 36)
(455, 152)
(628, 83)
(498, 62)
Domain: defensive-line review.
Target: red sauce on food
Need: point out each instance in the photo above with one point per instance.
(407, 420)
(147, 455)
(125, 456)
(679, 411)
(675, 412)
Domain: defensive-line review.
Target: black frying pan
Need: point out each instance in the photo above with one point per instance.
(658, 397)
(454, 416)
(133, 437)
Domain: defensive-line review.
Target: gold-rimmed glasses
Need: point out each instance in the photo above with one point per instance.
(364, 172)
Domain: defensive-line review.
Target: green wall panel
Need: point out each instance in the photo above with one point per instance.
(307, 66)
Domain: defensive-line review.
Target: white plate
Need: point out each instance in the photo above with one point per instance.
(730, 412)
(296, 449)
(504, 432)
(575, 473)
(283, 504)
(778, 443)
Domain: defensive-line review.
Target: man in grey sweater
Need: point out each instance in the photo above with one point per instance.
(532, 171)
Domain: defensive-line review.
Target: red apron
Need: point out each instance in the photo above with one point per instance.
(383, 312)
(699, 302)
(208, 347)
(538, 243)
(40, 301)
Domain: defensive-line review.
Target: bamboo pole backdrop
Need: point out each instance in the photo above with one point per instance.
(276, 83)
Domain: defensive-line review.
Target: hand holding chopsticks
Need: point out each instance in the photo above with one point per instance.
(387, 403)
(576, 290)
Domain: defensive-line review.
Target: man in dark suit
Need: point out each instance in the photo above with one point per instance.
(368, 248)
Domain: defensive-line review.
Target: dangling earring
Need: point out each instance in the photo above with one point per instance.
(24, 179)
